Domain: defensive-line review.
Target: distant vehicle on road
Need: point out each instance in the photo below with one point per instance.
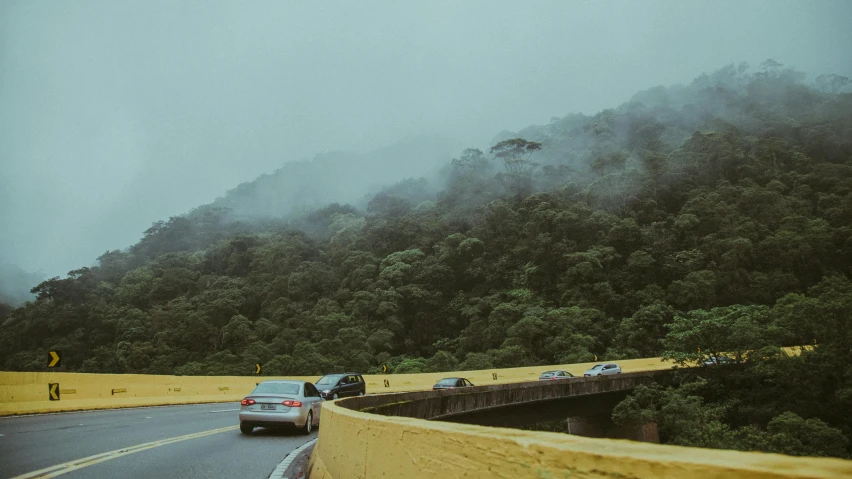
(452, 383)
(339, 385)
(558, 374)
(603, 370)
(718, 360)
(281, 404)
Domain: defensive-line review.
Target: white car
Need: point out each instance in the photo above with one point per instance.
(281, 404)
(603, 370)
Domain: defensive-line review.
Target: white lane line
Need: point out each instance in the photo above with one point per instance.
(116, 408)
(70, 466)
(278, 473)
(225, 410)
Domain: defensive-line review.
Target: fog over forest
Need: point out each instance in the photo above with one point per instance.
(116, 115)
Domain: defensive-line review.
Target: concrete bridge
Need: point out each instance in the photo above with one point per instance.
(585, 404)
(410, 435)
(513, 405)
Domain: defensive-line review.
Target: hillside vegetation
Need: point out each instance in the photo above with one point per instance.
(697, 219)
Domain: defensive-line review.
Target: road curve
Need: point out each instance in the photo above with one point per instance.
(179, 441)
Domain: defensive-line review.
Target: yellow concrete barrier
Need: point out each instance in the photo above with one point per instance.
(354, 444)
(425, 381)
(28, 392)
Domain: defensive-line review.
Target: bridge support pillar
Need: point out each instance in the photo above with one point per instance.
(601, 426)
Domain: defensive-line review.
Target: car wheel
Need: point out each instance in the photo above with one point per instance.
(246, 428)
(334, 396)
(309, 423)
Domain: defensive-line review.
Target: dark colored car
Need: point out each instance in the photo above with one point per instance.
(333, 386)
(559, 374)
(718, 360)
(452, 383)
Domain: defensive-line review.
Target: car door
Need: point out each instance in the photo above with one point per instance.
(313, 396)
(351, 385)
(340, 388)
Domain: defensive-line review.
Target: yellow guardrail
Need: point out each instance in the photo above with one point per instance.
(39, 392)
(391, 383)
(354, 444)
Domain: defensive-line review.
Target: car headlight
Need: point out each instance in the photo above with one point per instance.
(326, 391)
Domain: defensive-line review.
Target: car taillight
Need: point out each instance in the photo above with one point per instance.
(290, 403)
(247, 402)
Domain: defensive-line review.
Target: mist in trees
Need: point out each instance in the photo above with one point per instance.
(116, 115)
(692, 220)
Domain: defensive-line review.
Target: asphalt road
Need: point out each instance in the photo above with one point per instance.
(31, 443)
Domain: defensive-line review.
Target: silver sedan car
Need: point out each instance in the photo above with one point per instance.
(281, 403)
(559, 374)
(603, 370)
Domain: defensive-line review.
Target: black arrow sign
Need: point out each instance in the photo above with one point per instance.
(53, 391)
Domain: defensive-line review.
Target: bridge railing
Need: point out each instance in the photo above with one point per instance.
(368, 437)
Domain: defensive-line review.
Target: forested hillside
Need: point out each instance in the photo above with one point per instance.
(715, 215)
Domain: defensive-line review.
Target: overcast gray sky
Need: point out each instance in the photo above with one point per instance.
(115, 114)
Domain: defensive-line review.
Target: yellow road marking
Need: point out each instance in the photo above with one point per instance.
(69, 466)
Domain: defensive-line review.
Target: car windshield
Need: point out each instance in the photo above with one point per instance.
(548, 373)
(277, 388)
(329, 380)
(598, 366)
(448, 382)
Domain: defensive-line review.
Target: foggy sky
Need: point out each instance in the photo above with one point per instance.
(114, 115)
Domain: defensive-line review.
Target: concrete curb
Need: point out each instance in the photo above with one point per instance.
(294, 463)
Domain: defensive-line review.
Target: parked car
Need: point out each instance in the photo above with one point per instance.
(452, 383)
(281, 403)
(718, 360)
(603, 370)
(333, 386)
(559, 374)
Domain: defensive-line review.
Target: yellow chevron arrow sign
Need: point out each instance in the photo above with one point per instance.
(54, 359)
(53, 391)
(257, 368)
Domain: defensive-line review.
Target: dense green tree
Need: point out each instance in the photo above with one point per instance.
(691, 221)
